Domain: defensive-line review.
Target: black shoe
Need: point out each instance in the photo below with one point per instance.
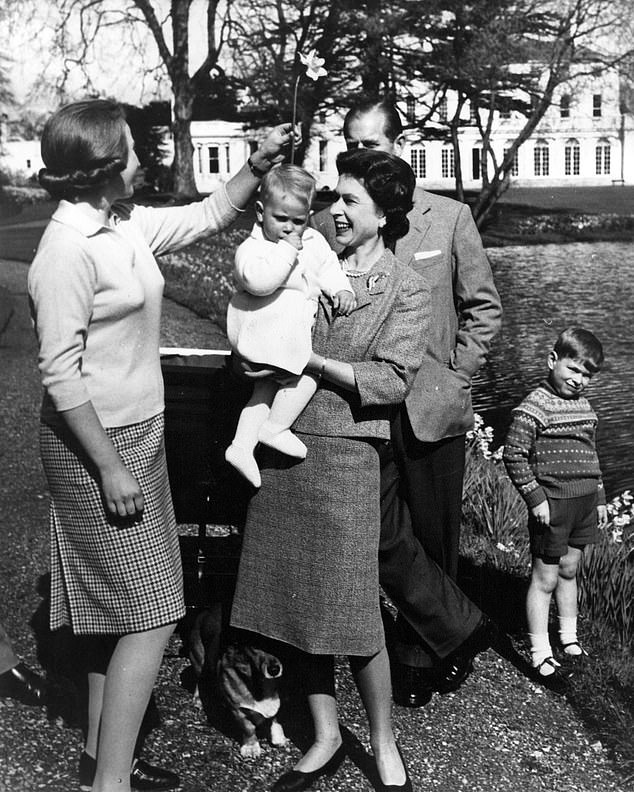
(454, 669)
(142, 777)
(557, 682)
(146, 776)
(572, 659)
(410, 687)
(23, 685)
(295, 780)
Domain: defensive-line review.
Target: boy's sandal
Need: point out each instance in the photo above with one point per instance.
(569, 656)
(552, 663)
(557, 680)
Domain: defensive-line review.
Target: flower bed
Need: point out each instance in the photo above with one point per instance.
(571, 224)
(200, 276)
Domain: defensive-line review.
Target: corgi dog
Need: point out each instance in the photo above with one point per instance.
(245, 677)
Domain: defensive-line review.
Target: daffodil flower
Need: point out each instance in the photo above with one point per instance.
(314, 65)
(314, 69)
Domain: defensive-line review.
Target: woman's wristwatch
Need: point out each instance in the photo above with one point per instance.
(255, 170)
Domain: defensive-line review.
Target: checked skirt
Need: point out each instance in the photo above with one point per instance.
(111, 575)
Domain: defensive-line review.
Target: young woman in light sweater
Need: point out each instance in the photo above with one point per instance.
(96, 292)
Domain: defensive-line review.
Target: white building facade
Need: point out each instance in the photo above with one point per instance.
(583, 140)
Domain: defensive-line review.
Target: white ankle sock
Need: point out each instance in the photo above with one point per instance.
(568, 635)
(540, 650)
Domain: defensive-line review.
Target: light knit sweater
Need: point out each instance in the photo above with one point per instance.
(550, 449)
(96, 293)
(271, 314)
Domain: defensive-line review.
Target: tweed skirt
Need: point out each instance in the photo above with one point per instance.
(308, 572)
(111, 574)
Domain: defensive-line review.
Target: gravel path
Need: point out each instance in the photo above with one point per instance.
(499, 733)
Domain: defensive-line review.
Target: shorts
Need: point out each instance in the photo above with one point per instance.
(573, 521)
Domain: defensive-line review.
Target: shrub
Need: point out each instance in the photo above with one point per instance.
(200, 276)
(493, 513)
(23, 196)
(606, 582)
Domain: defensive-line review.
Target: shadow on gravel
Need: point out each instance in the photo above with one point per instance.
(66, 662)
(502, 597)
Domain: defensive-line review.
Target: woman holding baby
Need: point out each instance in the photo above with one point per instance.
(309, 567)
(95, 291)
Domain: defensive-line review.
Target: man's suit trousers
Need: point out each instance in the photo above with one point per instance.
(438, 615)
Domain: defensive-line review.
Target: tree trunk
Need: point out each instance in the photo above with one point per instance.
(183, 166)
(457, 159)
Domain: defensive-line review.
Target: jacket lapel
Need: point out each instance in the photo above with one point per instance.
(420, 223)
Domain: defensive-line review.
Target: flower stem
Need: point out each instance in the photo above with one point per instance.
(294, 120)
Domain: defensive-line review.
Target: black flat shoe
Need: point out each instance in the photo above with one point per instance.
(142, 777)
(295, 780)
(24, 685)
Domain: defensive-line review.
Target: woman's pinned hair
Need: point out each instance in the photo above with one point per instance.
(84, 146)
(389, 181)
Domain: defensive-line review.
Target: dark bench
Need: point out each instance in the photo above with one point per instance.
(203, 400)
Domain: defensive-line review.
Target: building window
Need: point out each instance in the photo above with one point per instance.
(515, 168)
(473, 116)
(323, 156)
(540, 158)
(596, 106)
(571, 158)
(476, 154)
(418, 161)
(447, 163)
(442, 109)
(564, 106)
(602, 158)
(410, 109)
(227, 158)
(214, 159)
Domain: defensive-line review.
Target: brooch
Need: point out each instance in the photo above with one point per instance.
(376, 283)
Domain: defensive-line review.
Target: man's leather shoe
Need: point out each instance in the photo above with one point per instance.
(411, 688)
(23, 685)
(454, 669)
(143, 776)
(295, 780)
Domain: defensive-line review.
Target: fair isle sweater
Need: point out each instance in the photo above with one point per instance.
(550, 449)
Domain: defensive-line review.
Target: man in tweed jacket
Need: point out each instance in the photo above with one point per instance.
(428, 435)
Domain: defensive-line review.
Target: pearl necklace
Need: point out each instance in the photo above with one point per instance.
(354, 273)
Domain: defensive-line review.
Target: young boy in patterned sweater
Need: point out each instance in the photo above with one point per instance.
(550, 456)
